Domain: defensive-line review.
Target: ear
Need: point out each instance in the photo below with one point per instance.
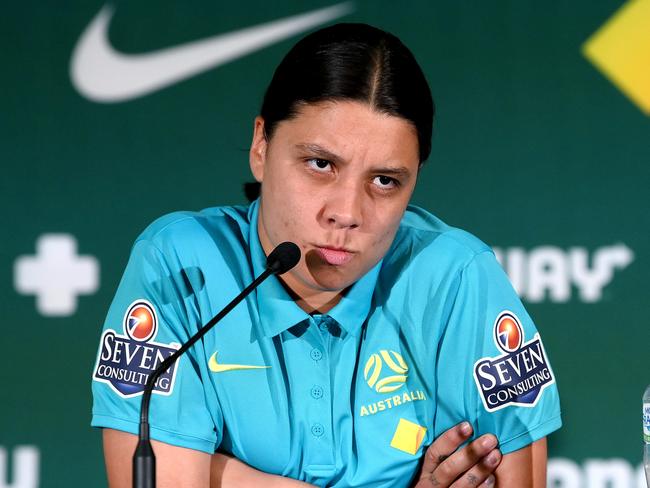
(257, 155)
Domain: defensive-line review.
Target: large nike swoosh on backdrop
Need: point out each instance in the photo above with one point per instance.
(102, 74)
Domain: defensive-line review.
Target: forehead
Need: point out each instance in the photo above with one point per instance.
(353, 131)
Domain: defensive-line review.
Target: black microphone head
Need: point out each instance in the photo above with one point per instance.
(284, 257)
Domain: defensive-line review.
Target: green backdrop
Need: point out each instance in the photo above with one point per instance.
(541, 150)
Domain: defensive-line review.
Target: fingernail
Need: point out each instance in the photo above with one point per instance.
(492, 458)
(466, 428)
(490, 480)
(489, 441)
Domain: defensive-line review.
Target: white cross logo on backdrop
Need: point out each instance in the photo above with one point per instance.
(56, 275)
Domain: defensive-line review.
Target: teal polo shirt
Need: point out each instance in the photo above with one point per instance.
(432, 335)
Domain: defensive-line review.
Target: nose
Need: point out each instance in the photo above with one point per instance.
(343, 208)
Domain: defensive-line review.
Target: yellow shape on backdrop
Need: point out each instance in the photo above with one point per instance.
(408, 436)
(621, 50)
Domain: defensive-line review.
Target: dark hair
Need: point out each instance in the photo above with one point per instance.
(351, 62)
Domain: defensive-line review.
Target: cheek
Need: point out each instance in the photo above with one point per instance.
(288, 219)
(387, 223)
(384, 238)
(290, 222)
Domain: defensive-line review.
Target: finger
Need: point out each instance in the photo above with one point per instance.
(489, 482)
(445, 445)
(463, 460)
(480, 473)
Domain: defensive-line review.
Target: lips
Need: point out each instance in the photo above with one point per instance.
(335, 257)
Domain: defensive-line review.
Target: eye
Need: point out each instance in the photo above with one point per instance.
(385, 182)
(319, 165)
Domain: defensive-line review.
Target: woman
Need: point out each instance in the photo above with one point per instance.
(392, 328)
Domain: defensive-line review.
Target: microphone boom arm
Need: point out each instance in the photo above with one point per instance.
(164, 366)
(284, 257)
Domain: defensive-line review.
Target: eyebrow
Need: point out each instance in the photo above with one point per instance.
(321, 152)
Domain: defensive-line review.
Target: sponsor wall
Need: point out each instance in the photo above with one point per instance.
(114, 114)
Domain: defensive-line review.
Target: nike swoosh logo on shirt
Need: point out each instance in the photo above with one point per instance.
(216, 367)
(102, 74)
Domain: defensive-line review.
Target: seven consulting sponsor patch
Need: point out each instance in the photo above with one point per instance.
(126, 361)
(520, 374)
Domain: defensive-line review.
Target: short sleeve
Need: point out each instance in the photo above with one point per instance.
(492, 367)
(148, 320)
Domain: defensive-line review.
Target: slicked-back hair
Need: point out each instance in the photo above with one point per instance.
(354, 62)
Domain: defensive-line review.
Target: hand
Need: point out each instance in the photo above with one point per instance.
(472, 466)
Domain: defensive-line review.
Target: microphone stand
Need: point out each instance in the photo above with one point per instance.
(284, 257)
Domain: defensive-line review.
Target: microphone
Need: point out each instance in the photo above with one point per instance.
(284, 257)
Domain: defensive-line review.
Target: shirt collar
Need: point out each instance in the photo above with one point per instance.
(278, 311)
(352, 311)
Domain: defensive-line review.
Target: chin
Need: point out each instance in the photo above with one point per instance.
(333, 280)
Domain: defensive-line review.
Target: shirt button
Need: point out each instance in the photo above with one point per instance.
(323, 326)
(316, 392)
(317, 430)
(316, 355)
